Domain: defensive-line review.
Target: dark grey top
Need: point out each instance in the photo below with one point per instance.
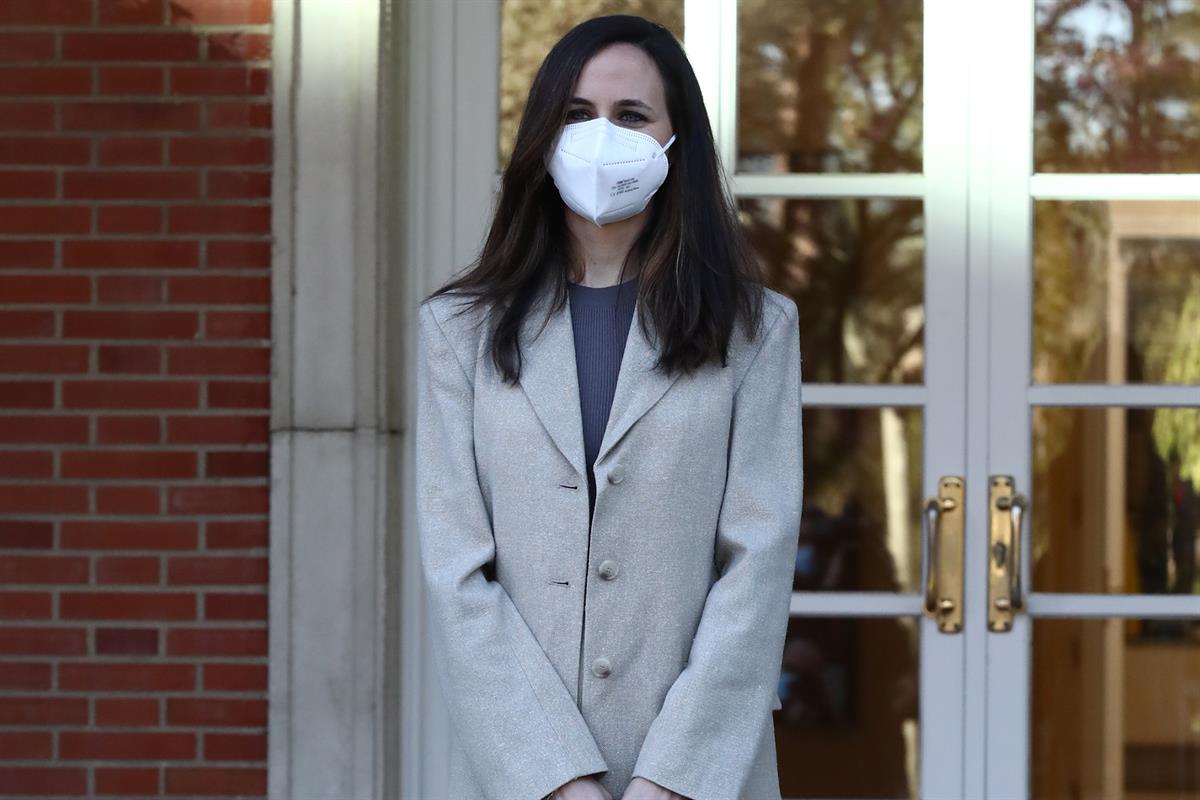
(600, 317)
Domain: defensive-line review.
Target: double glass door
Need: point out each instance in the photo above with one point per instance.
(988, 214)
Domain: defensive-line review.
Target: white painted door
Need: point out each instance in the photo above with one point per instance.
(1084, 387)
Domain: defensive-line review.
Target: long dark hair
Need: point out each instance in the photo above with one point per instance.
(698, 273)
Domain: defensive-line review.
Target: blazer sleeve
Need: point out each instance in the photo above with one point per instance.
(513, 716)
(703, 741)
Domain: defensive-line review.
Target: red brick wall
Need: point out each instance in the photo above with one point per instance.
(135, 170)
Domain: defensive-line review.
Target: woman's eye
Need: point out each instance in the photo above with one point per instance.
(576, 114)
(632, 116)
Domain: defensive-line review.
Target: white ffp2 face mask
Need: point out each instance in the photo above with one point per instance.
(606, 173)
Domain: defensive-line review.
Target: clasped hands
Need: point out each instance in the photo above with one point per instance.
(588, 788)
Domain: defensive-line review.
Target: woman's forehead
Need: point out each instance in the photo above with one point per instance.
(620, 72)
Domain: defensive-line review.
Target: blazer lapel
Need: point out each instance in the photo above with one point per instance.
(551, 382)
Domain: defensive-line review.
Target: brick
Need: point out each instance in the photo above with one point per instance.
(128, 430)
(26, 394)
(26, 464)
(43, 429)
(130, 395)
(130, 254)
(126, 605)
(43, 358)
(44, 289)
(113, 464)
(26, 116)
(35, 81)
(30, 745)
(26, 605)
(224, 289)
(28, 151)
(126, 570)
(24, 675)
(235, 747)
(105, 535)
(43, 569)
(226, 254)
(126, 711)
(130, 289)
(126, 782)
(231, 325)
(30, 781)
(241, 219)
(127, 641)
(237, 464)
(255, 116)
(32, 220)
(131, 80)
(130, 115)
(217, 360)
(222, 711)
(230, 534)
(131, 152)
(243, 607)
(26, 534)
(130, 360)
(218, 430)
(221, 151)
(31, 325)
(220, 12)
(239, 46)
(26, 46)
(45, 12)
(128, 500)
(235, 677)
(31, 641)
(125, 12)
(217, 499)
(239, 394)
(131, 676)
(23, 254)
(238, 185)
(216, 570)
(16, 498)
(82, 324)
(126, 746)
(21, 184)
(129, 219)
(167, 46)
(210, 81)
(123, 185)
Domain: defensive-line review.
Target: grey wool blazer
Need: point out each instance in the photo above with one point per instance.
(651, 647)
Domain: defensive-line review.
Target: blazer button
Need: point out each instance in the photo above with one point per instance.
(608, 569)
(616, 474)
(601, 668)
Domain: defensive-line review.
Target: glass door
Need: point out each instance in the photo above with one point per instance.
(1085, 176)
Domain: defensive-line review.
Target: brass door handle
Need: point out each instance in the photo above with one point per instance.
(943, 526)
(1006, 512)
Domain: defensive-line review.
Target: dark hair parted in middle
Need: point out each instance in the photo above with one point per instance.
(698, 274)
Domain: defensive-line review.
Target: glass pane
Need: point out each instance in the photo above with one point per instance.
(855, 268)
(848, 725)
(1117, 86)
(829, 86)
(861, 529)
(1116, 500)
(1116, 292)
(1116, 709)
(529, 28)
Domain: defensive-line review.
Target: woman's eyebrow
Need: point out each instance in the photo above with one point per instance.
(629, 102)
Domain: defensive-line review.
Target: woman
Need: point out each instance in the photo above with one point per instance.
(624, 641)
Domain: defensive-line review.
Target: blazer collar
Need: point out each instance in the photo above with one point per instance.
(551, 382)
